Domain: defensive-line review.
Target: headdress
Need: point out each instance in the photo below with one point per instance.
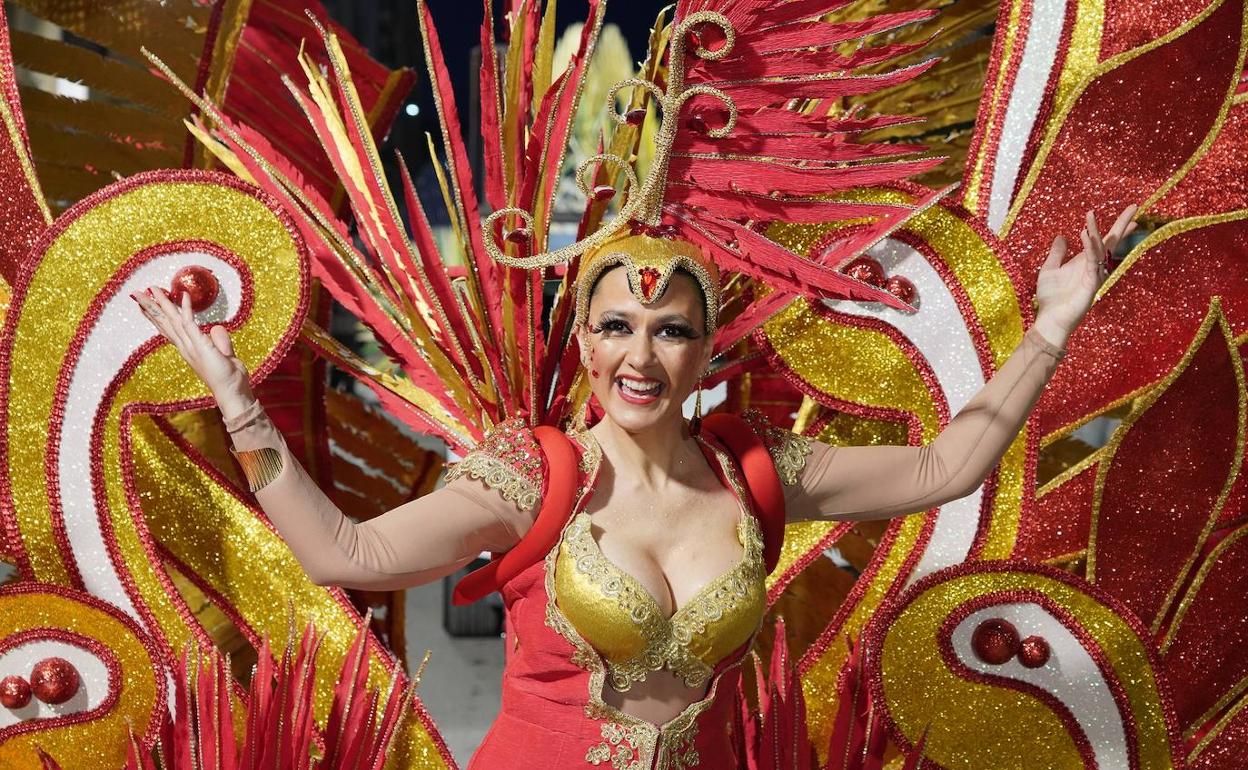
(727, 154)
(745, 101)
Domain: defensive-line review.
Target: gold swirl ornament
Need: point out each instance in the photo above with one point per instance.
(103, 492)
(1004, 665)
(115, 686)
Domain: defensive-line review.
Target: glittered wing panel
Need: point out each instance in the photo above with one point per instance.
(1129, 334)
(1218, 183)
(26, 214)
(1167, 471)
(1130, 130)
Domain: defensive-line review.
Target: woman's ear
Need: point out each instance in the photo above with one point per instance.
(582, 342)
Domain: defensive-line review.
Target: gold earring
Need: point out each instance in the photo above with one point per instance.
(695, 424)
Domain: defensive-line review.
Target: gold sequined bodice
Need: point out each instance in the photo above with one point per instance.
(621, 619)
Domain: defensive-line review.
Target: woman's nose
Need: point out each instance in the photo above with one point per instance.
(641, 351)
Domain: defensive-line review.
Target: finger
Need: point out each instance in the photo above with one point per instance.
(1124, 223)
(190, 326)
(169, 314)
(1057, 253)
(1094, 234)
(157, 319)
(221, 339)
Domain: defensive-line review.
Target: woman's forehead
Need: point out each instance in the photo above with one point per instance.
(612, 292)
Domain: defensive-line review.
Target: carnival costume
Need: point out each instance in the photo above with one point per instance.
(742, 103)
(576, 621)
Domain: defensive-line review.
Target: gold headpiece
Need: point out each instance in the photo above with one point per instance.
(650, 261)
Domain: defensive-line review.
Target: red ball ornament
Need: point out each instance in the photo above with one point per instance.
(14, 692)
(902, 288)
(54, 680)
(865, 269)
(1033, 652)
(995, 641)
(199, 283)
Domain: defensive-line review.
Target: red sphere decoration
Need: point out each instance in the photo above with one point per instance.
(902, 288)
(14, 692)
(995, 641)
(1033, 652)
(865, 269)
(54, 680)
(199, 283)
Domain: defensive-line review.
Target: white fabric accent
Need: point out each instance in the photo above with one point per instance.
(1034, 70)
(1071, 675)
(19, 661)
(939, 332)
(119, 331)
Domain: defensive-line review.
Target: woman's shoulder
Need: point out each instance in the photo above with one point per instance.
(509, 460)
(788, 450)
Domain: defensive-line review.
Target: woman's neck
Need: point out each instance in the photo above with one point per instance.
(652, 458)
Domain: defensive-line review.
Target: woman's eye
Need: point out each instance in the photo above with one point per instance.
(675, 331)
(612, 326)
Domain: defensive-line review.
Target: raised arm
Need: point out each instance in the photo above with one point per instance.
(866, 482)
(871, 482)
(415, 543)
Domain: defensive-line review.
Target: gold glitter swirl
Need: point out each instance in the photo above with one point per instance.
(102, 741)
(975, 724)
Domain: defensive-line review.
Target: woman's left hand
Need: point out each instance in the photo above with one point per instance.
(1064, 292)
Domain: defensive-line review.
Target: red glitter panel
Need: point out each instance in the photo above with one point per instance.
(1138, 330)
(1206, 657)
(1129, 132)
(1132, 23)
(1228, 749)
(1219, 180)
(1060, 522)
(23, 218)
(1164, 481)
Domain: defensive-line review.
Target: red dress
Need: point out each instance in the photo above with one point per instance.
(553, 716)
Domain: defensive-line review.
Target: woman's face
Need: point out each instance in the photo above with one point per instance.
(644, 360)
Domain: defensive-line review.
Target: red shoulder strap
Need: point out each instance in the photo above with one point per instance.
(558, 497)
(762, 483)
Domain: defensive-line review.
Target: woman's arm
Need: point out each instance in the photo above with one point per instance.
(415, 543)
(866, 482)
(871, 482)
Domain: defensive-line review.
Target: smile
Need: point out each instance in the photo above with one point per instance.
(637, 391)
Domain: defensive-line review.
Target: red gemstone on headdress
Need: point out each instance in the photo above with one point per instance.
(198, 283)
(649, 281)
(698, 123)
(635, 117)
(636, 227)
(995, 641)
(520, 236)
(902, 288)
(865, 269)
(603, 192)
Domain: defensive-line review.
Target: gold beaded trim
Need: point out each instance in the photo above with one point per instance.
(500, 476)
(644, 202)
(260, 466)
(638, 252)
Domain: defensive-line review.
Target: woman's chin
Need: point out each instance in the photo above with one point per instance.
(636, 418)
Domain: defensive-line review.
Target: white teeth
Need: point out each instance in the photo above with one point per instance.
(640, 390)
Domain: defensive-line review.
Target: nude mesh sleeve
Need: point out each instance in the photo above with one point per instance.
(417, 542)
(867, 482)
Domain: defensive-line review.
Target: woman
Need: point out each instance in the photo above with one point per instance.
(625, 633)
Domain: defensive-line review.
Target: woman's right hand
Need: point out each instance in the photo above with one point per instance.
(210, 356)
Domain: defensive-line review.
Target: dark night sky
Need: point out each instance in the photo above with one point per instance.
(388, 28)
